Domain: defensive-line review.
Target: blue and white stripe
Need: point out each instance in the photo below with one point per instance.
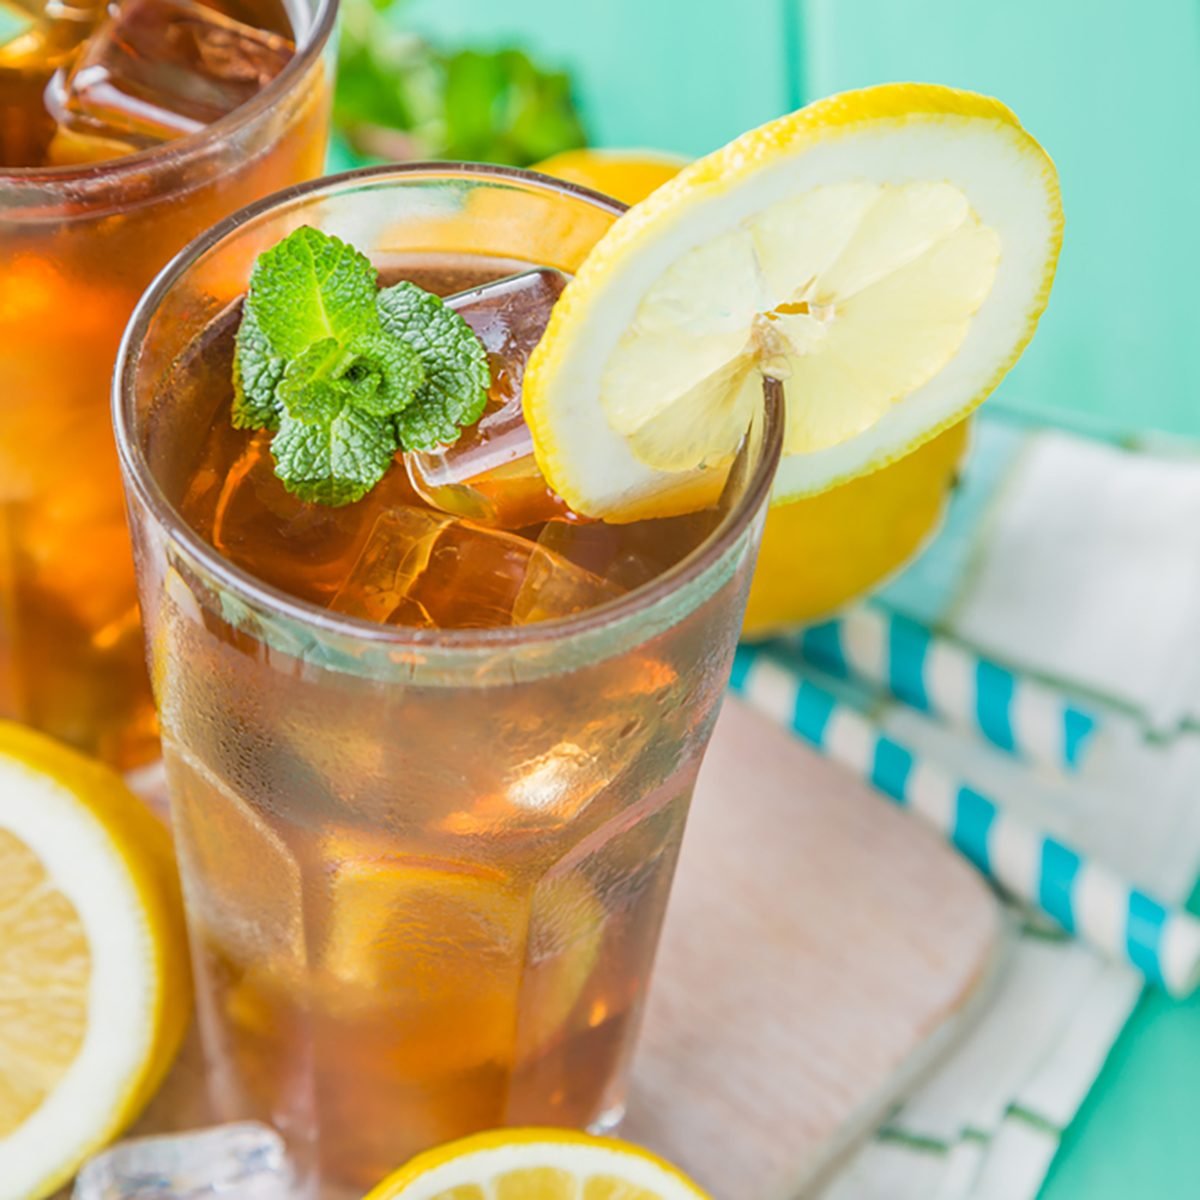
(943, 678)
(1084, 897)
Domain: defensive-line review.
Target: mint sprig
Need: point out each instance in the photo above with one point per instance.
(346, 374)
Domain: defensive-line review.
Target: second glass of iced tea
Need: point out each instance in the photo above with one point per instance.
(126, 129)
(431, 754)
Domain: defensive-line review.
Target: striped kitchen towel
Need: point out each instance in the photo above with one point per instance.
(1069, 566)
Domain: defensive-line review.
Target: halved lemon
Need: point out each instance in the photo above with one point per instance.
(538, 1164)
(885, 254)
(94, 992)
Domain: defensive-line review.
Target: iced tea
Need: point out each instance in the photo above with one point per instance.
(124, 131)
(430, 754)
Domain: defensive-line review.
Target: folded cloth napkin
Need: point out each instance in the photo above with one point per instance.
(1076, 561)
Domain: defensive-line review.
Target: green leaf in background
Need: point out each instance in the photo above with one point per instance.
(388, 98)
(502, 107)
(398, 97)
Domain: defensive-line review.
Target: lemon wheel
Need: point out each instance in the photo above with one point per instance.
(93, 968)
(885, 254)
(538, 1164)
(818, 552)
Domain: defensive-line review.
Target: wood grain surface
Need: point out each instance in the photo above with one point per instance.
(820, 950)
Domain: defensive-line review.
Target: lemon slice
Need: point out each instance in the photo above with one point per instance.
(821, 551)
(537, 1164)
(458, 948)
(93, 968)
(885, 254)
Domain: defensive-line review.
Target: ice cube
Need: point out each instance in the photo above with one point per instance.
(36, 38)
(489, 475)
(434, 571)
(509, 316)
(159, 69)
(553, 587)
(248, 515)
(633, 554)
(245, 1160)
(599, 548)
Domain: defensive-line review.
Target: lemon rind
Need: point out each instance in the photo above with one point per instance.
(478, 1158)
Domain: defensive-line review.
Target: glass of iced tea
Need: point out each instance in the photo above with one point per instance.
(125, 130)
(430, 754)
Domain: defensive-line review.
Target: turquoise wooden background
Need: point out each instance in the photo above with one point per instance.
(1111, 87)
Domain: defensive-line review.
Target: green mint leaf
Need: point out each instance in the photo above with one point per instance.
(312, 390)
(322, 401)
(309, 287)
(457, 375)
(397, 367)
(256, 374)
(336, 436)
(342, 373)
(377, 374)
(335, 463)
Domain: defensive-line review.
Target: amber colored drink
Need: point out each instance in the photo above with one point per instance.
(430, 754)
(123, 134)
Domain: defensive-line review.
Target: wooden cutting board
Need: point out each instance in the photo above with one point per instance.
(821, 949)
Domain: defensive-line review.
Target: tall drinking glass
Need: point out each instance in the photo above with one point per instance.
(78, 245)
(425, 869)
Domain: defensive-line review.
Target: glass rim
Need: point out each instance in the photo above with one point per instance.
(140, 479)
(191, 145)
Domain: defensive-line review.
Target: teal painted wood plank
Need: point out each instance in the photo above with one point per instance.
(680, 75)
(1112, 89)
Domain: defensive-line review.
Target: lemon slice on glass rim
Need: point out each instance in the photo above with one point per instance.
(94, 988)
(885, 254)
(537, 1164)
